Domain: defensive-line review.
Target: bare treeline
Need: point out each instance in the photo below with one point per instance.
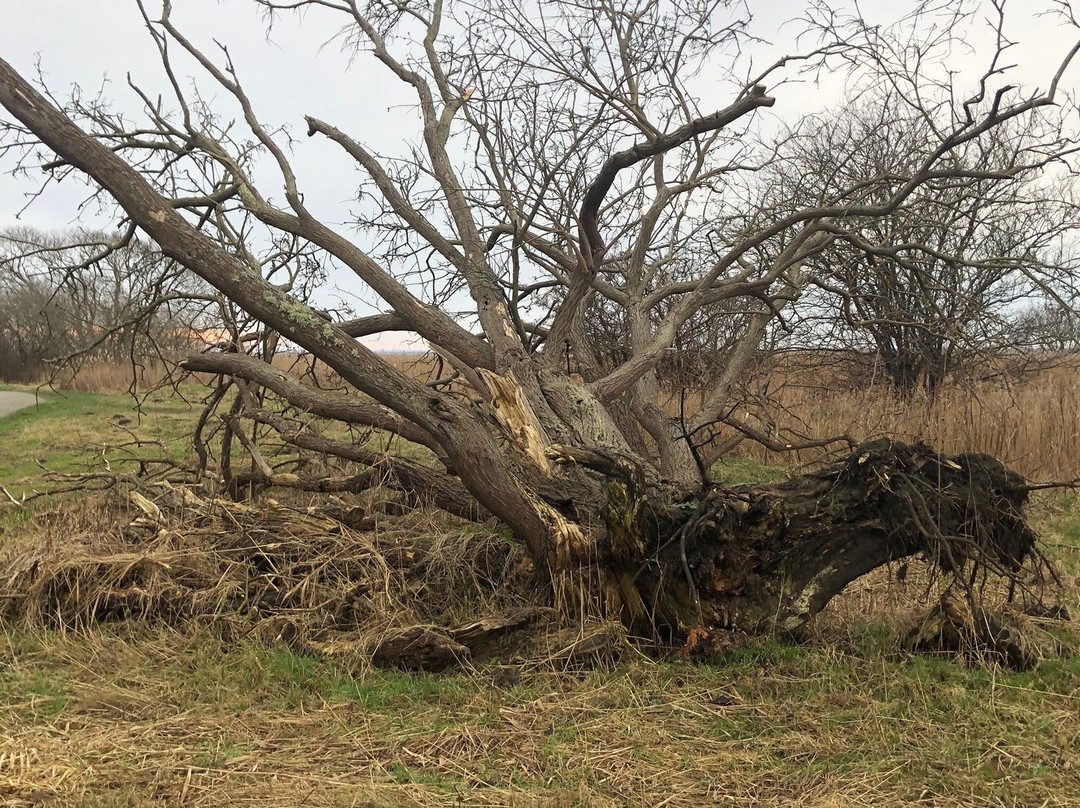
(77, 296)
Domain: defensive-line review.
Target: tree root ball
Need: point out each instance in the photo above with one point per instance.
(761, 558)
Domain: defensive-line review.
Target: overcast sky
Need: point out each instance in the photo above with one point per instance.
(288, 73)
(294, 71)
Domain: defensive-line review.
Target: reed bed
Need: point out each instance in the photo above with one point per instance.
(1029, 420)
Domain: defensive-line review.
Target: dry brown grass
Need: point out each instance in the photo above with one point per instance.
(109, 377)
(137, 717)
(211, 703)
(201, 707)
(1032, 425)
(179, 556)
(1030, 420)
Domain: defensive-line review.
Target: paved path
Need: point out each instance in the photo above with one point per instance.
(11, 401)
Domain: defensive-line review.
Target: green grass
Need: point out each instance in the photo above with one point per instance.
(745, 471)
(87, 432)
(131, 710)
(32, 695)
(73, 432)
(1059, 528)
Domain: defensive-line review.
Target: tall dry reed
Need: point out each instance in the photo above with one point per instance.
(108, 377)
(1030, 421)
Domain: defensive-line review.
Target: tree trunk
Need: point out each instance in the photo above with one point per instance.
(768, 557)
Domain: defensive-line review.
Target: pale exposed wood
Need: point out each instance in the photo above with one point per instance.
(481, 632)
(514, 412)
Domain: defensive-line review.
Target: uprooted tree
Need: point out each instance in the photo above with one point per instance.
(567, 159)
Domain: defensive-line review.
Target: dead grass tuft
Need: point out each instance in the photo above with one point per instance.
(264, 570)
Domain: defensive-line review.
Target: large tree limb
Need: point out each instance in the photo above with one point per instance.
(420, 482)
(592, 245)
(375, 324)
(307, 398)
(568, 323)
(495, 478)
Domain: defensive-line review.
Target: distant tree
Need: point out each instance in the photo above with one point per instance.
(1045, 326)
(938, 281)
(77, 296)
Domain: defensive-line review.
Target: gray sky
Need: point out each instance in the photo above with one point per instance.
(293, 71)
(288, 74)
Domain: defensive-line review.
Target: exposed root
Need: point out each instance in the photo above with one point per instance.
(768, 557)
(958, 626)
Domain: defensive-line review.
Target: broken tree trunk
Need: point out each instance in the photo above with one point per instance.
(433, 649)
(762, 558)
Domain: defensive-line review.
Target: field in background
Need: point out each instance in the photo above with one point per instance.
(72, 432)
(136, 714)
(1030, 420)
(108, 377)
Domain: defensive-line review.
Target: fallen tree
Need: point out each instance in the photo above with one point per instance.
(580, 175)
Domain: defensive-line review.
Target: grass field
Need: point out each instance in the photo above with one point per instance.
(75, 432)
(132, 713)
